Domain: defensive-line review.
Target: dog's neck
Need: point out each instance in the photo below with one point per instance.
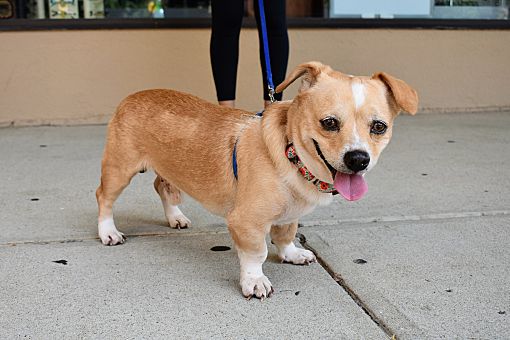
(324, 187)
(276, 135)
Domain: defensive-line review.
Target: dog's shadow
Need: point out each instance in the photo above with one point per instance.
(211, 259)
(205, 248)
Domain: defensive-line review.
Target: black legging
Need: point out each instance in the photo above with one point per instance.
(227, 16)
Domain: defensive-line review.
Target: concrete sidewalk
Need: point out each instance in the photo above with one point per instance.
(424, 255)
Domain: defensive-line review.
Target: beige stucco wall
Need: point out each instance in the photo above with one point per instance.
(80, 76)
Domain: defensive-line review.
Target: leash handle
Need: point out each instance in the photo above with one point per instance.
(270, 84)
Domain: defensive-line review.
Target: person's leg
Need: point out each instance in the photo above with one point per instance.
(227, 16)
(278, 41)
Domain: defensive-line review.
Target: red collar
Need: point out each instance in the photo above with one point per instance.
(324, 187)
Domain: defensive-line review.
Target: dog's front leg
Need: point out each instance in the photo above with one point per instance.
(253, 281)
(251, 248)
(282, 237)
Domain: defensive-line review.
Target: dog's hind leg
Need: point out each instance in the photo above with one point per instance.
(171, 197)
(116, 173)
(283, 238)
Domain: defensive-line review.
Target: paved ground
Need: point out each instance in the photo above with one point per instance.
(424, 255)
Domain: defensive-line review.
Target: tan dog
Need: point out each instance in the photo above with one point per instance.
(337, 125)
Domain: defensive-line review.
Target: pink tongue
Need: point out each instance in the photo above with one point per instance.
(351, 187)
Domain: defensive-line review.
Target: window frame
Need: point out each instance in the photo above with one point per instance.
(197, 23)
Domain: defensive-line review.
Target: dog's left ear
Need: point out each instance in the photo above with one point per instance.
(405, 96)
(310, 71)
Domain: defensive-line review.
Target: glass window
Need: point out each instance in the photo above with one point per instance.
(436, 9)
(98, 9)
(470, 9)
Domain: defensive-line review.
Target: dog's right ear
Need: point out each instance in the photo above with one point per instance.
(310, 72)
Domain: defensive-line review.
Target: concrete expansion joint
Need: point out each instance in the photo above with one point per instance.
(134, 235)
(318, 223)
(406, 218)
(341, 282)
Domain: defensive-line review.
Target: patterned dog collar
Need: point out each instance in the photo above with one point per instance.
(324, 187)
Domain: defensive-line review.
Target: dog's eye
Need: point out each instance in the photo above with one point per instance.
(378, 127)
(330, 124)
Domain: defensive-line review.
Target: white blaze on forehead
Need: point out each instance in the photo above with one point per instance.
(358, 93)
(356, 142)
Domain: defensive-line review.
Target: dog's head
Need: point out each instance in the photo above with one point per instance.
(339, 124)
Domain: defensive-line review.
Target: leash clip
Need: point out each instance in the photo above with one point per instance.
(271, 94)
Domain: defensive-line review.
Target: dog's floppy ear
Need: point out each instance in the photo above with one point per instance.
(405, 96)
(310, 72)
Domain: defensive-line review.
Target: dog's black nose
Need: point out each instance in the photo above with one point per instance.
(356, 160)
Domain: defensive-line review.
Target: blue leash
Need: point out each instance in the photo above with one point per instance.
(270, 84)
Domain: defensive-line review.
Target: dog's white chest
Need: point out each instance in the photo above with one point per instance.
(293, 212)
(297, 208)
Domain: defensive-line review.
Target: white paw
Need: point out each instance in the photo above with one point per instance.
(179, 221)
(259, 287)
(295, 255)
(108, 234)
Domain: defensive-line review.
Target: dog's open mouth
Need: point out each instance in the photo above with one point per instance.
(351, 186)
(319, 152)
